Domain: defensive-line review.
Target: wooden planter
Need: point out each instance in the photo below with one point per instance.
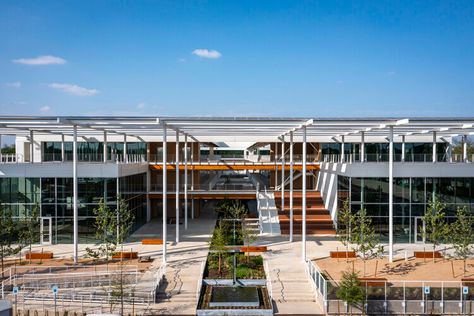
(427, 254)
(152, 241)
(254, 249)
(342, 254)
(39, 255)
(125, 255)
(373, 281)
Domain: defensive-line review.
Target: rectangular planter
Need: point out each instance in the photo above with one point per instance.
(125, 255)
(39, 255)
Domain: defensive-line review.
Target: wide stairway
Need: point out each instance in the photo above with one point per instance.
(318, 218)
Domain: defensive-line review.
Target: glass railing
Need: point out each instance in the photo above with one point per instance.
(353, 158)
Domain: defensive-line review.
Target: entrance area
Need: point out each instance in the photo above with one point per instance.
(46, 231)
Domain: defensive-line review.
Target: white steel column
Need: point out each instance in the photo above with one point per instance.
(105, 146)
(276, 169)
(185, 182)
(435, 158)
(342, 149)
(303, 191)
(165, 190)
(125, 156)
(177, 187)
(192, 180)
(291, 186)
(464, 148)
(403, 148)
(32, 147)
(1, 146)
(63, 157)
(390, 197)
(75, 197)
(362, 146)
(282, 173)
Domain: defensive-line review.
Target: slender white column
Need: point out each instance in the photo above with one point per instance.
(75, 197)
(1, 146)
(105, 146)
(342, 149)
(32, 147)
(125, 156)
(403, 148)
(185, 181)
(192, 181)
(282, 173)
(63, 157)
(390, 197)
(291, 186)
(276, 169)
(464, 148)
(303, 171)
(450, 151)
(177, 187)
(165, 190)
(435, 158)
(362, 146)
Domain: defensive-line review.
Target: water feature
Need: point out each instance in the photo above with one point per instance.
(234, 296)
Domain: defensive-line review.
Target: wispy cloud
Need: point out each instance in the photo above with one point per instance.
(207, 53)
(45, 109)
(141, 105)
(16, 84)
(73, 89)
(40, 60)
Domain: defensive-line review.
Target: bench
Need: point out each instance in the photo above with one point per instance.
(152, 241)
(125, 255)
(342, 254)
(467, 282)
(254, 249)
(373, 281)
(39, 255)
(427, 254)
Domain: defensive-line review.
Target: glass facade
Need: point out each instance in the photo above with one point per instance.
(411, 197)
(54, 198)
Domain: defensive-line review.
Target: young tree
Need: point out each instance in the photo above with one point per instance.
(8, 234)
(461, 235)
(435, 224)
(345, 220)
(350, 289)
(365, 240)
(248, 236)
(218, 244)
(30, 232)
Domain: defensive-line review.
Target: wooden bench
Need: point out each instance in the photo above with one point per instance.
(342, 254)
(125, 255)
(254, 249)
(467, 282)
(427, 254)
(39, 255)
(152, 241)
(373, 281)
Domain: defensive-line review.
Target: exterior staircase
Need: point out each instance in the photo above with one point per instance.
(318, 218)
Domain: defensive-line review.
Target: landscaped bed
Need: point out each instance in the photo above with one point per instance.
(247, 267)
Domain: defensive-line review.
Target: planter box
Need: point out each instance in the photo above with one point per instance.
(125, 255)
(39, 255)
(152, 241)
(254, 249)
(427, 254)
(342, 254)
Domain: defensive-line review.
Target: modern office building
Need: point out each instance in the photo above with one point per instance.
(166, 167)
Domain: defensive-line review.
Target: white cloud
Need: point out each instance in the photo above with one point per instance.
(40, 60)
(45, 109)
(16, 84)
(207, 53)
(141, 105)
(73, 89)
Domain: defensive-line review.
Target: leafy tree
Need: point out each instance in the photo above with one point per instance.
(461, 235)
(30, 232)
(345, 220)
(217, 244)
(435, 224)
(112, 227)
(8, 234)
(365, 240)
(350, 289)
(233, 209)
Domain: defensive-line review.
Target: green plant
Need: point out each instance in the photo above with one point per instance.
(364, 238)
(217, 244)
(345, 220)
(248, 236)
(30, 232)
(436, 228)
(350, 289)
(8, 233)
(461, 235)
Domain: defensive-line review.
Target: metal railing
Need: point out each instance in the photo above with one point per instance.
(354, 158)
(11, 158)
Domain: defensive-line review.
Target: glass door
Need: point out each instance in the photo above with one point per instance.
(419, 230)
(46, 231)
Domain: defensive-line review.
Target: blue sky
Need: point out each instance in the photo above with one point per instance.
(251, 58)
